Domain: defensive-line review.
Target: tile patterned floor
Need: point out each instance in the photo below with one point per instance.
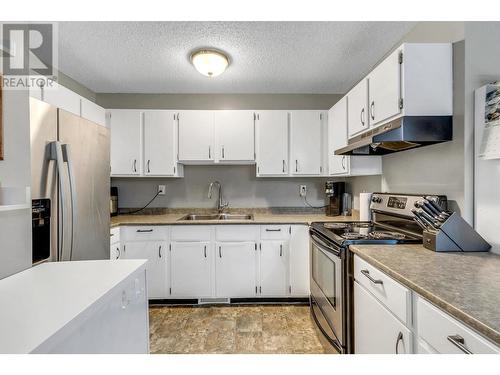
(233, 329)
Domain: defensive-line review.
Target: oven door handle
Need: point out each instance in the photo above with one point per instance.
(324, 246)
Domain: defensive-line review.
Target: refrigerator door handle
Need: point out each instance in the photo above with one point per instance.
(57, 155)
(66, 148)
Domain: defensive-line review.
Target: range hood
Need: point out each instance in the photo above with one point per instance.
(401, 134)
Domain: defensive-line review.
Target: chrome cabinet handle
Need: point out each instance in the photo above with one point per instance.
(119, 254)
(149, 162)
(273, 230)
(343, 163)
(400, 338)
(296, 165)
(144, 230)
(135, 165)
(283, 166)
(205, 251)
(367, 274)
(362, 116)
(281, 250)
(220, 252)
(159, 251)
(222, 152)
(459, 342)
(209, 152)
(372, 110)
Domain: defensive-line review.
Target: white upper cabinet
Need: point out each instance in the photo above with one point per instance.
(272, 143)
(160, 143)
(234, 136)
(414, 80)
(306, 142)
(196, 136)
(344, 165)
(93, 112)
(126, 142)
(337, 138)
(357, 109)
(385, 89)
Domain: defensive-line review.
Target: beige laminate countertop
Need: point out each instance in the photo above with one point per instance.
(258, 218)
(466, 285)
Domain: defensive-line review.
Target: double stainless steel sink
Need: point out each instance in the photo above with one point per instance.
(237, 217)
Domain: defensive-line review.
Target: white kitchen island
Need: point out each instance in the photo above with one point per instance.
(76, 307)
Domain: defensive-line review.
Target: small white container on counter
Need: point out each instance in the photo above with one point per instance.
(364, 206)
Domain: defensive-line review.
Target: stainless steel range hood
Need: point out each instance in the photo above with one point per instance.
(401, 134)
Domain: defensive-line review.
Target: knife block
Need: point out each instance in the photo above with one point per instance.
(455, 234)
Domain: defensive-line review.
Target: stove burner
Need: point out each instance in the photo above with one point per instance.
(353, 236)
(336, 225)
(382, 235)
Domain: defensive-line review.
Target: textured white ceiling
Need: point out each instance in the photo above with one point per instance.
(266, 57)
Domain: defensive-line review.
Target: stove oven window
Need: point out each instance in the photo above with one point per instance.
(323, 273)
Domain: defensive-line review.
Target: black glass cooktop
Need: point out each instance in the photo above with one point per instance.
(344, 233)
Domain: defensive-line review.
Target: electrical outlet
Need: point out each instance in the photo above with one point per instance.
(303, 190)
(162, 189)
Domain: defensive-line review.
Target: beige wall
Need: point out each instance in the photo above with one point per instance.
(218, 101)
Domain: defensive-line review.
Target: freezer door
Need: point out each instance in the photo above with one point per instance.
(43, 131)
(88, 175)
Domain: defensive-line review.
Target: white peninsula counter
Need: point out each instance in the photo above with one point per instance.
(75, 307)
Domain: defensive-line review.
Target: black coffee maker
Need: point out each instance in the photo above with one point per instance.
(334, 193)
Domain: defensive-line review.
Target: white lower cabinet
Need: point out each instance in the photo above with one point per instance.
(274, 269)
(190, 269)
(376, 329)
(156, 268)
(236, 269)
(223, 261)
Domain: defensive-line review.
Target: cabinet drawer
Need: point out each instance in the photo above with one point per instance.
(114, 235)
(388, 291)
(237, 232)
(438, 328)
(191, 232)
(274, 232)
(145, 233)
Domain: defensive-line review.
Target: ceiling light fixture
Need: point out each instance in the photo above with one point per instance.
(209, 62)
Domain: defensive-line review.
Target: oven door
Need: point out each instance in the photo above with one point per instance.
(326, 288)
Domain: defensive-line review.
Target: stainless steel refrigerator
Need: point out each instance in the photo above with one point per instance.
(70, 166)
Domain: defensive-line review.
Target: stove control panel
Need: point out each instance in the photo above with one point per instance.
(398, 204)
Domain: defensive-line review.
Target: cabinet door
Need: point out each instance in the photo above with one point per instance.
(234, 136)
(190, 269)
(305, 142)
(235, 269)
(376, 330)
(385, 89)
(156, 267)
(196, 136)
(337, 138)
(125, 142)
(160, 146)
(357, 109)
(114, 251)
(299, 261)
(274, 268)
(272, 143)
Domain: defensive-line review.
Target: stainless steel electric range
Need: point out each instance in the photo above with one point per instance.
(331, 265)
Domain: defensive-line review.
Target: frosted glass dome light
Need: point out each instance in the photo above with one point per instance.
(210, 63)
